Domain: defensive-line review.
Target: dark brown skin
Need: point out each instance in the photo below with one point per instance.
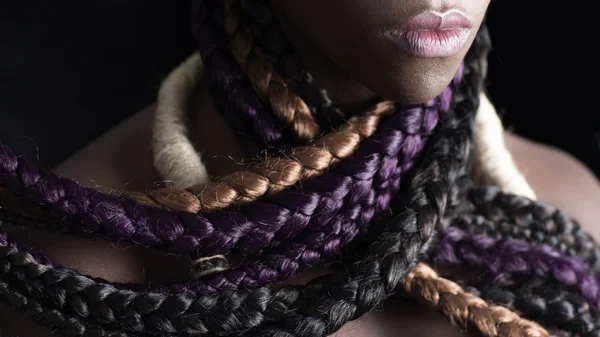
(336, 39)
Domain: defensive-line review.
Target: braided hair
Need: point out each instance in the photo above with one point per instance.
(264, 213)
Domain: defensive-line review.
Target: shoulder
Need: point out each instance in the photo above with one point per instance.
(119, 158)
(559, 179)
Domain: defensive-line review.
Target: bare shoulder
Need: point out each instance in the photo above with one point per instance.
(559, 179)
(121, 158)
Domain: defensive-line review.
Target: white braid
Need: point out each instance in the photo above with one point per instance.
(174, 156)
(492, 162)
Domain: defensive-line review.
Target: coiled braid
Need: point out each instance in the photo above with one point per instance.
(447, 298)
(489, 211)
(115, 217)
(549, 304)
(151, 316)
(276, 173)
(391, 257)
(505, 260)
(464, 310)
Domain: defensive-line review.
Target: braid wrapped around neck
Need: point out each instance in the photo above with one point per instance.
(313, 198)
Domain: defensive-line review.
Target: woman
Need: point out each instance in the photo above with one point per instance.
(361, 53)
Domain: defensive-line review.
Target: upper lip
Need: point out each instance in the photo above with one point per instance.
(434, 20)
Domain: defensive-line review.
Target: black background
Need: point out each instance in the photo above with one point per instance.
(71, 69)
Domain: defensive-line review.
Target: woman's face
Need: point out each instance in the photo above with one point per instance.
(405, 50)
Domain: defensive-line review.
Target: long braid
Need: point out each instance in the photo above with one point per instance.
(276, 173)
(394, 254)
(549, 304)
(67, 327)
(115, 217)
(268, 35)
(69, 278)
(290, 297)
(231, 91)
(505, 260)
(489, 211)
(269, 86)
(464, 311)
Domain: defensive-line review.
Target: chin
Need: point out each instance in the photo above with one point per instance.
(416, 83)
(422, 94)
(415, 89)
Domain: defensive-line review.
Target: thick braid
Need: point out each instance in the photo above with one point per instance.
(121, 218)
(492, 162)
(46, 315)
(549, 304)
(466, 311)
(394, 253)
(174, 156)
(269, 86)
(231, 91)
(276, 173)
(378, 184)
(61, 324)
(268, 35)
(390, 258)
(489, 211)
(447, 148)
(506, 260)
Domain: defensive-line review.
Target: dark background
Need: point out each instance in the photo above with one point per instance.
(71, 69)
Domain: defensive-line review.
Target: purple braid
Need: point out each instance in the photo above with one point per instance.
(326, 214)
(508, 258)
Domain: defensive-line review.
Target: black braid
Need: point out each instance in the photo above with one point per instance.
(55, 319)
(489, 211)
(549, 304)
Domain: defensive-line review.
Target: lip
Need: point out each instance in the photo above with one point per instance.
(433, 34)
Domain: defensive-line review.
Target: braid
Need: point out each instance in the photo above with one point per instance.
(67, 327)
(231, 91)
(504, 260)
(550, 305)
(317, 203)
(269, 86)
(268, 36)
(464, 310)
(317, 307)
(490, 212)
(378, 181)
(447, 149)
(277, 173)
(493, 163)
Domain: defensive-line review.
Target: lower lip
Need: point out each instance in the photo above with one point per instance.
(428, 35)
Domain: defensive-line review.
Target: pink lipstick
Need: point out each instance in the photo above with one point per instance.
(433, 34)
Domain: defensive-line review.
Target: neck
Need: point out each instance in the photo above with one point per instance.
(346, 92)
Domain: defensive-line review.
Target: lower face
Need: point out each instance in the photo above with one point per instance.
(404, 50)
